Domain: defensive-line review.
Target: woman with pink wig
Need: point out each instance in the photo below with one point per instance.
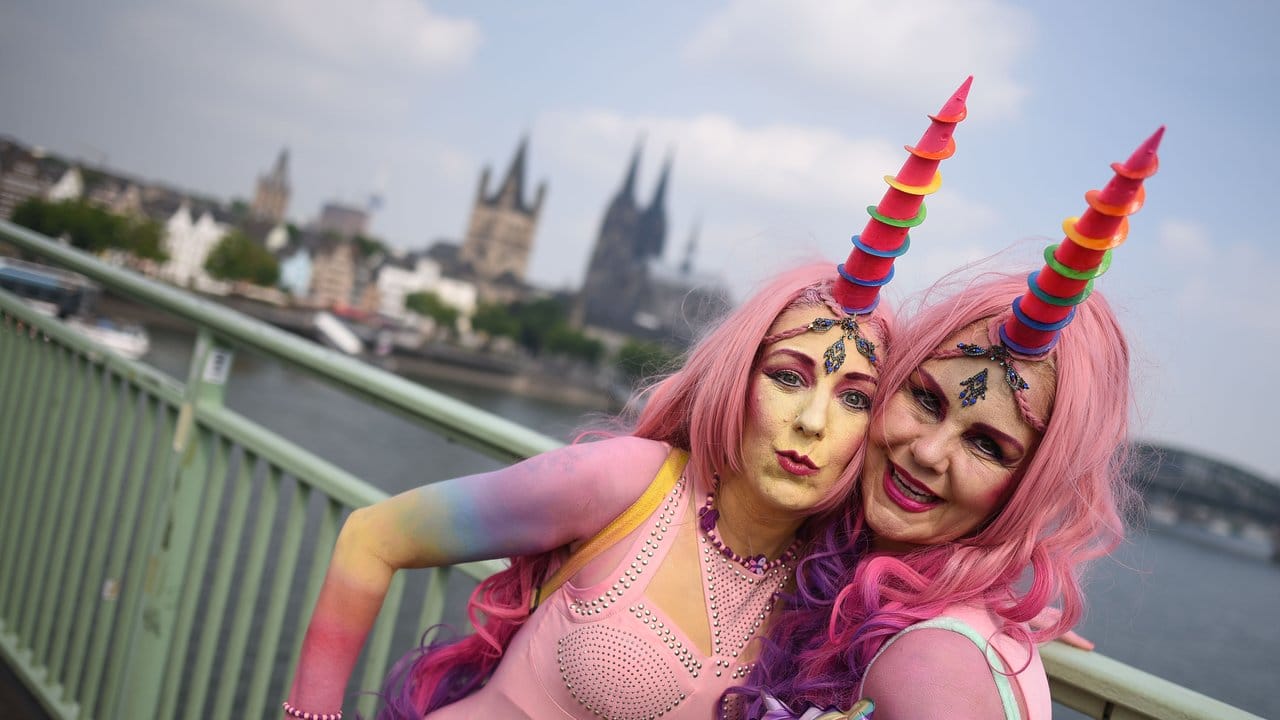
(628, 635)
(743, 450)
(993, 472)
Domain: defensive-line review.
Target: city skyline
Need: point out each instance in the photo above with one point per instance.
(781, 120)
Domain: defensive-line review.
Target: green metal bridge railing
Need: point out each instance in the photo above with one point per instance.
(159, 551)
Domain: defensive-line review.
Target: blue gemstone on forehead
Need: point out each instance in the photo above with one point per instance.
(833, 358)
(866, 348)
(975, 388)
(999, 354)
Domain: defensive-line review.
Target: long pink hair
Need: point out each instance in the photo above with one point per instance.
(1065, 510)
(699, 408)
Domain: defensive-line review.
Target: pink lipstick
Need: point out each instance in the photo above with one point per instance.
(906, 492)
(795, 463)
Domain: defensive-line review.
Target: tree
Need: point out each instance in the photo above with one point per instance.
(495, 320)
(368, 247)
(638, 359)
(539, 326)
(92, 228)
(146, 239)
(239, 210)
(430, 305)
(237, 257)
(564, 340)
(537, 319)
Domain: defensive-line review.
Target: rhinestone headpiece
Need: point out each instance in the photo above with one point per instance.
(834, 356)
(974, 388)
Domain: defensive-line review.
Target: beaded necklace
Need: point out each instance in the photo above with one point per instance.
(758, 564)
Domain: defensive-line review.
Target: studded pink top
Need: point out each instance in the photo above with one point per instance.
(605, 651)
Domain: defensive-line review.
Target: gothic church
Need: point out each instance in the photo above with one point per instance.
(632, 238)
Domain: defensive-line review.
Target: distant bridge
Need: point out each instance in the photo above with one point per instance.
(1192, 488)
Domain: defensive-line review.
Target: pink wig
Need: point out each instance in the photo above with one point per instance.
(1065, 510)
(699, 408)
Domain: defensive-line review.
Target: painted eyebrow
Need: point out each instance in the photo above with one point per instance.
(812, 364)
(932, 386)
(990, 430)
(796, 355)
(861, 376)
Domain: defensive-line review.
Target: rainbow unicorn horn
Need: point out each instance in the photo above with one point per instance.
(870, 263)
(1085, 253)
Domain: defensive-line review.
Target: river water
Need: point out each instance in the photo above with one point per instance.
(1196, 609)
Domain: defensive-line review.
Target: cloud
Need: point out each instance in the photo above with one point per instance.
(717, 156)
(382, 35)
(297, 58)
(905, 53)
(1184, 241)
(766, 195)
(1215, 279)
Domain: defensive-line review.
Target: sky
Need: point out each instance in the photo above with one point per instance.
(779, 118)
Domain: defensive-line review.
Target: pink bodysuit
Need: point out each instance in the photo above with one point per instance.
(606, 651)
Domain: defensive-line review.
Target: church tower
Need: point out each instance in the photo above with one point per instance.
(499, 236)
(651, 228)
(271, 199)
(631, 236)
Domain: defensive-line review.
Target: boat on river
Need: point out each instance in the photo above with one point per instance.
(70, 297)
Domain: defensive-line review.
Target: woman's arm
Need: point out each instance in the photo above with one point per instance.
(534, 506)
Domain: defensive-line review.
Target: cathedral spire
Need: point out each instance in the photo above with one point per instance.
(629, 182)
(660, 192)
(280, 173)
(651, 227)
(514, 181)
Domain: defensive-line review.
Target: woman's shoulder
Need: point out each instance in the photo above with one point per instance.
(621, 453)
(618, 452)
(937, 666)
(615, 470)
(931, 671)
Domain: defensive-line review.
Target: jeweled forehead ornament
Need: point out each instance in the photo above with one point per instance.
(974, 388)
(834, 356)
(1066, 280)
(869, 265)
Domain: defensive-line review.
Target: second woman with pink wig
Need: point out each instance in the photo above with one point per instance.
(993, 473)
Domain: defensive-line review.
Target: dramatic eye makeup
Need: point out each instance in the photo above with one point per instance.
(987, 446)
(794, 370)
(855, 400)
(984, 439)
(786, 377)
(789, 368)
(995, 444)
(928, 394)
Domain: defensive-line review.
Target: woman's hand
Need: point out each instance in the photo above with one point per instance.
(1049, 616)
